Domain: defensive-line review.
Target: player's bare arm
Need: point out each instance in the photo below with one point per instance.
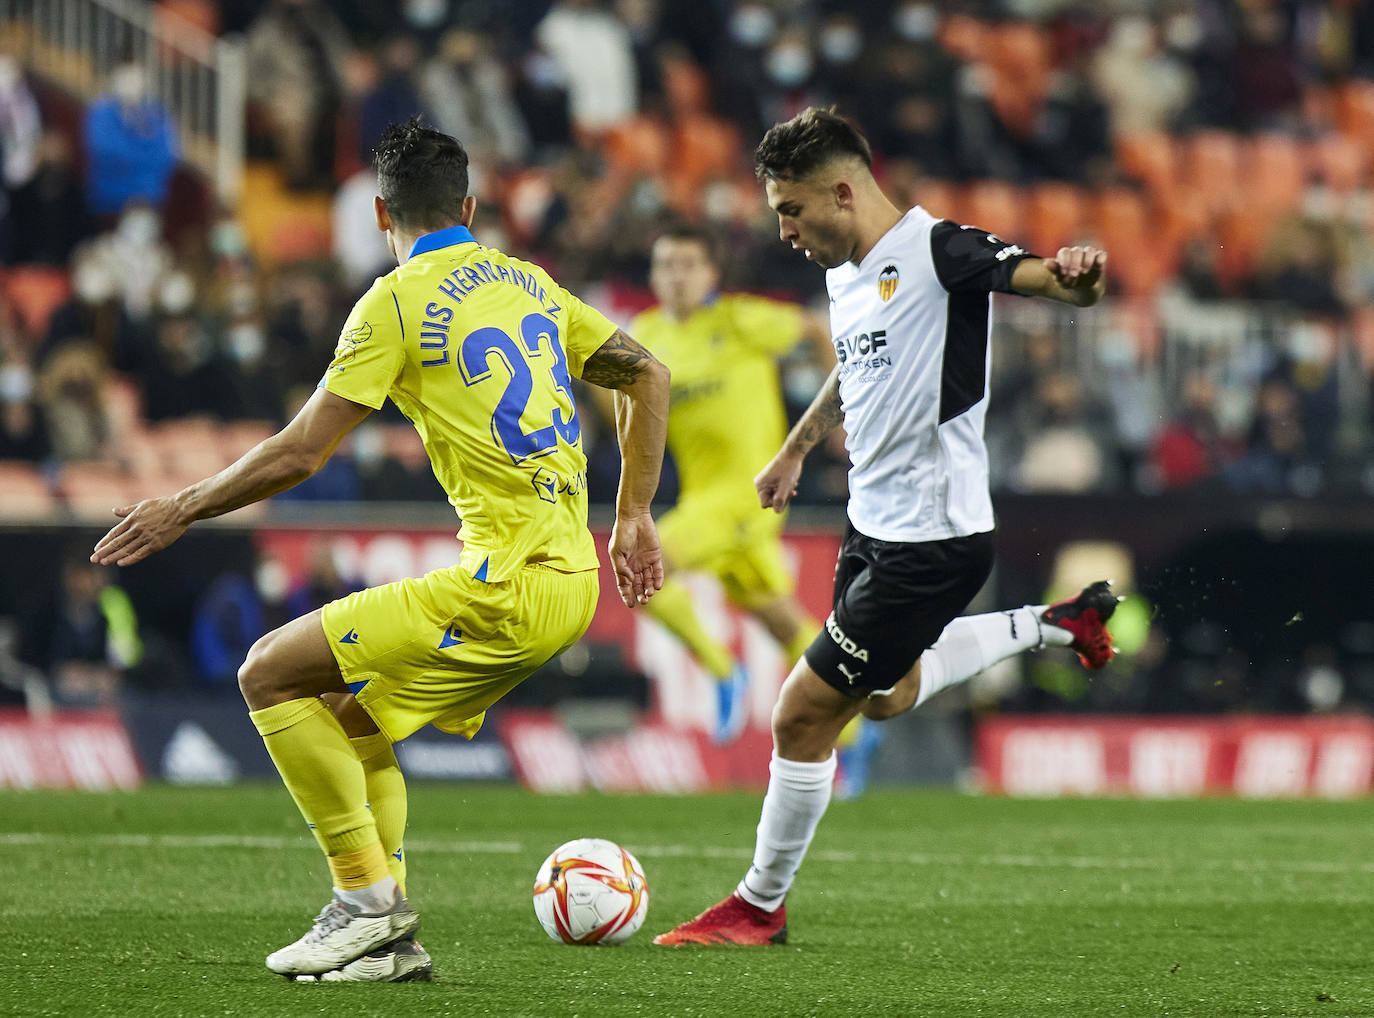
(777, 482)
(273, 465)
(1076, 275)
(641, 424)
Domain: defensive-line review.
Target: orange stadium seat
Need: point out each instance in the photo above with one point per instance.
(1211, 162)
(1240, 235)
(1338, 161)
(1275, 174)
(1355, 110)
(36, 291)
(237, 437)
(93, 490)
(963, 37)
(685, 85)
(1150, 158)
(704, 146)
(637, 145)
(123, 403)
(26, 495)
(1054, 217)
(937, 197)
(1020, 56)
(994, 206)
(188, 449)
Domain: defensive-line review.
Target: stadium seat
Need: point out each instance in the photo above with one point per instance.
(637, 145)
(1355, 110)
(1240, 234)
(1338, 161)
(27, 495)
(36, 291)
(188, 449)
(1054, 217)
(1019, 55)
(1211, 162)
(1275, 174)
(237, 437)
(123, 403)
(92, 490)
(685, 85)
(1149, 158)
(994, 206)
(938, 198)
(202, 14)
(962, 37)
(704, 146)
(1122, 222)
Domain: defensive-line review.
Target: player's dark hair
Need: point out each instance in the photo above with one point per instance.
(795, 148)
(422, 176)
(697, 234)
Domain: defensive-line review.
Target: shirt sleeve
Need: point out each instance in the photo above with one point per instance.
(588, 330)
(371, 350)
(771, 327)
(969, 259)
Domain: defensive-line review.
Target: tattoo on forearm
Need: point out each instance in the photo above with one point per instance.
(822, 417)
(618, 363)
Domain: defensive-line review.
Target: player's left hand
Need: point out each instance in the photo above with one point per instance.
(1078, 268)
(636, 557)
(147, 526)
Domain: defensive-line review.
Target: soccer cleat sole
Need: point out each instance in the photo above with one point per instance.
(371, 933)
(391, 967)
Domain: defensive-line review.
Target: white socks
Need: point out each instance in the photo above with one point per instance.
(372, 899)
(974, 642)
(798, 794)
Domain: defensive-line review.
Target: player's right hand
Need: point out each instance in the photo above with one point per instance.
(636, 557)
(147, 527)
(777, 482)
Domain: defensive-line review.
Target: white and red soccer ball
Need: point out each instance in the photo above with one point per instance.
(591, 891)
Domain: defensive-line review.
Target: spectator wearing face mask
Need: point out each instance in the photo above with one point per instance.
(252, 381)
(23, 432)
(20, 133)
(131, 145)
(592, 49)
(95, 314)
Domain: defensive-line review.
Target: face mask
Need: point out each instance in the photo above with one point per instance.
(139, 227)
(424, 14)
(92, 284)
(16, 383)
(840, 44)
(752, 26)
(126, 84)
(789, 65)
(916, 22)
(245, 342)
(177, 294)
(226, 240)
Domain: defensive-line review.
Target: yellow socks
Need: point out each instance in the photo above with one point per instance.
(672, 606)
(386, 794)
(323, 774)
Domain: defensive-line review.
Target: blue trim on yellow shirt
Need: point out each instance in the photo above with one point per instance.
(447, 237)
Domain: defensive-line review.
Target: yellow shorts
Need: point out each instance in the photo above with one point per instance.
(732, 539)
(443, 648)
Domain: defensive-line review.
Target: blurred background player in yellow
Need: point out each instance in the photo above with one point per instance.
(725, 423)
(478, 350)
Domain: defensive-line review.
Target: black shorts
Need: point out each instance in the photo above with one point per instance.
(892, 601)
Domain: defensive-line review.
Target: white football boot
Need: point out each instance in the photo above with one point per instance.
(342, 933)
(401, 961)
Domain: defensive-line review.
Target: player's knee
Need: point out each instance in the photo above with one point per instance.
(259, 678)
(796, 735)
(888, 705)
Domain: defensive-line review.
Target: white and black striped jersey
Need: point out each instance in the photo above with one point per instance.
(911, 324)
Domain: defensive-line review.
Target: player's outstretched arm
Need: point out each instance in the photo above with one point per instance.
(1076, 275)
(641, 424)
(777, 482)
(273, 465)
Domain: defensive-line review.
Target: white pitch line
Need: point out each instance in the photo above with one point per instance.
(440, 846)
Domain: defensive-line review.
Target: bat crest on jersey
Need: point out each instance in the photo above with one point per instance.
(887, 282)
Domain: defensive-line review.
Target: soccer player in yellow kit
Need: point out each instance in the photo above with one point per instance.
(726, 422)
(477, 349)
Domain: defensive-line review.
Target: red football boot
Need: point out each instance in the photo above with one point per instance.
(733, 921)
(1085, 618)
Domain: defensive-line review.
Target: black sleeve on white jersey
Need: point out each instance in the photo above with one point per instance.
(969, 259)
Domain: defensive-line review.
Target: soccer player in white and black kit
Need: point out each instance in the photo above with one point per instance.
(910, 313)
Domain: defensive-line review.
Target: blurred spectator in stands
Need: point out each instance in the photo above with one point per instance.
(95, 314)
(84, 633)
(131, 145)
(1145, 86)
(468, 89)
(49, 213)
(303, 321)
(252, 378)
(360, 249)
(182, 378)
(21, 129)
(322, 581)
(1190, 449)
(908, 102)
(134, 257)
(1300, 266)
(789, 77)
(23, 432)
(228, 620)
(592, 49)
(1069, 450)
(1264, 71)
(295, 52)
(394, 98)
(1197, 277)
(69, 392)
(1276, 445)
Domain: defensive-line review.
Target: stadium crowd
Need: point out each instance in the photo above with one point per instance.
(1221, 151)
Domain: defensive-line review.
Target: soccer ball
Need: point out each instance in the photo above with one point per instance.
(591, 891)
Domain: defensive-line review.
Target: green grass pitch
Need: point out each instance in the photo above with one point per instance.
(164, 902)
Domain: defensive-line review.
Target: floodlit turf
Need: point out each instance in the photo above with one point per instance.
(165, 902)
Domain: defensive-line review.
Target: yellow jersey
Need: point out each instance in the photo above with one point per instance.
(477, 348)
(726, 419)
